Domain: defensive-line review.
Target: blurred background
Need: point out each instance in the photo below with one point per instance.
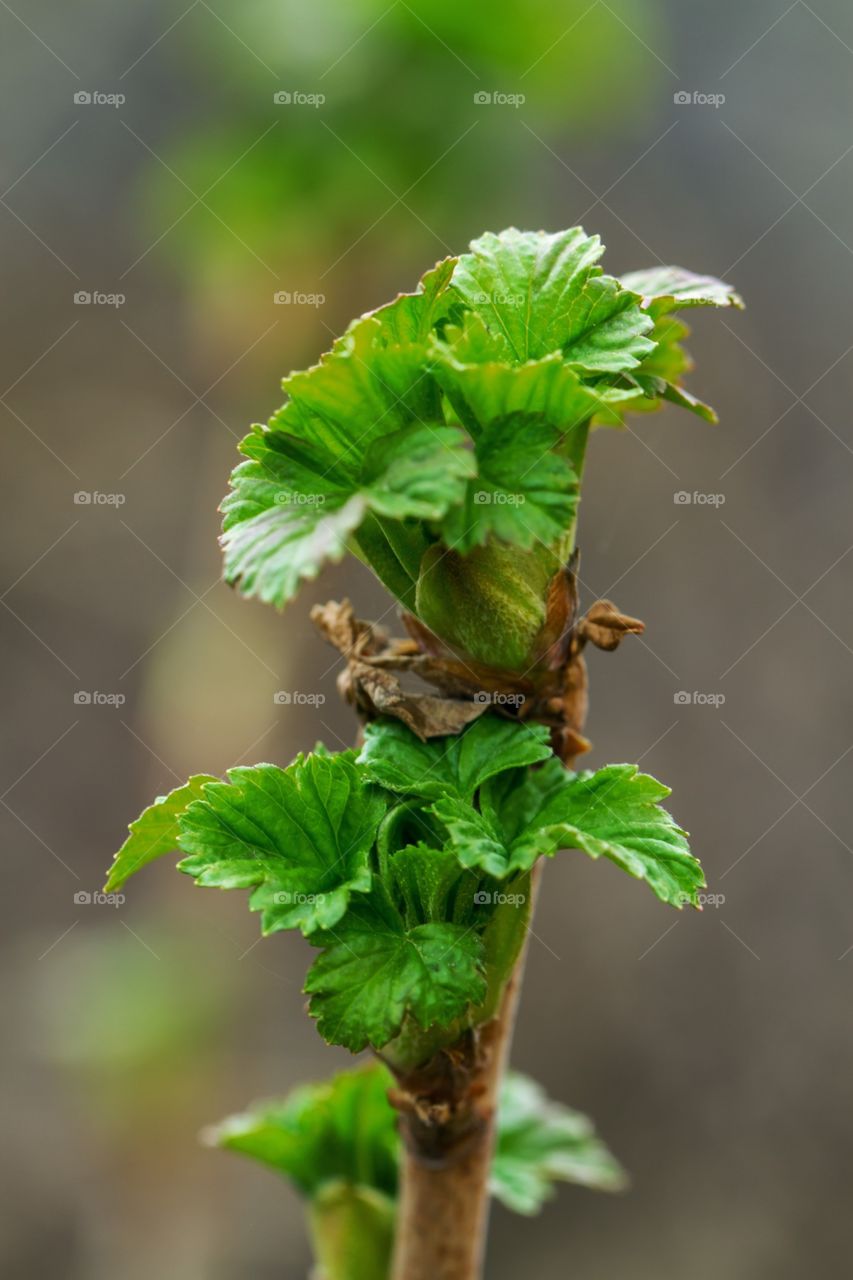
(222, 237)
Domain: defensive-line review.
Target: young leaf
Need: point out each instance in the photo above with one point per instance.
(523, 494)
(301, 837)
(375, 972)
(337, 1143)
(292, 507)
(430, 885)
(505, 834)
(481, 843)
(411, 317)
(658, 377)
(484, 387)
(545, 294)
(665, 289)
(457, 765)
(541, 1142)
(154, 832)
(341, 1130)
(417, 474)
(364, 388)
(615, 813)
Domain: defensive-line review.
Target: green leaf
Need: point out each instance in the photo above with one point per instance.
(614, 813)
(289, 511)
(665, 289)
(480, 842)
(341, 1130)
(504, 834)
(545, 293)
(337, 1143)
(301, 837)
(541, 1142)
(524, 493)
(429, 886)
(484, 387)
(292, 507)
(418, 474)
(154, 832)
(411, 317)
(455, 765)
(376, 972)
(658, 378)
(366, 387)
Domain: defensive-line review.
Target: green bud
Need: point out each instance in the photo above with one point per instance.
(488, 605)
(352, 1228)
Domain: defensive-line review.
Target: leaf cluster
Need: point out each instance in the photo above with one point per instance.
(407, 865)
(457, 417)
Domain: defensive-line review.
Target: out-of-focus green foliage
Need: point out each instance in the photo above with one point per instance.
(400, 144)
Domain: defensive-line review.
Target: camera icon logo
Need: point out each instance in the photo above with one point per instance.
(482, 498)
(82, 98)
(682, 98)
(82, 298)
(682, 698)
(682, 498)
(482, 97)
(282, 698)
(82, 698)
(282, 298)
(282, 98)
(482, 898)
(82, 897)
(82, 498)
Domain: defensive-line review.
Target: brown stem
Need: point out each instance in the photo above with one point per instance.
(448, 1126)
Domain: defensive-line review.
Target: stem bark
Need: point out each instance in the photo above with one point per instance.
(444, 1201)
